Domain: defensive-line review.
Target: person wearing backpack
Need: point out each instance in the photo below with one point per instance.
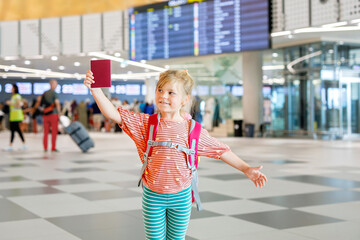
(51, 110)
(16, 116)
(169, 144)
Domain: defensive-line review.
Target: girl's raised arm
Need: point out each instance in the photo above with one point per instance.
(106, 107)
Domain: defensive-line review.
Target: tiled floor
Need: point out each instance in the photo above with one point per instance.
(313, 191)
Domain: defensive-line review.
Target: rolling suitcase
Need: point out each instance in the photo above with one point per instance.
(79, 134)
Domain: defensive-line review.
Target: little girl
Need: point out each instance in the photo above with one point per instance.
(167, 196)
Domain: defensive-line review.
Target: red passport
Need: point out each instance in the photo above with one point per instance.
(101, 70)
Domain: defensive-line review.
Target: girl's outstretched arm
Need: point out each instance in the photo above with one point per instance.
(106, 107)
(253, 173)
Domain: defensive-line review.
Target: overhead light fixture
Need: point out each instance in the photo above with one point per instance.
(9, 58)
(76, 64)
(61, 67)
(275, 54)
(300, 59)
(129, 62)
(27, 62)
(355, 21)
(273, 67)
(117, 54)
(279, 34)
(38, 72)
(338, 29)
(337, 24)
(54, 58)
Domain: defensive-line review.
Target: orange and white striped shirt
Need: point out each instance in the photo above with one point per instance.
(167, 171)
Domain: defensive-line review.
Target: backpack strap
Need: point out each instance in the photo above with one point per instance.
(153, 124)
(194, 135)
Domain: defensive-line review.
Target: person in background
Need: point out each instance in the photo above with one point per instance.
(97, 116)
(136, 107)
(149, 108)
(126, 105)
(15, 118)
(51, 105)
(142, 106)
(81, 110)
(24, 125)
(34, 115)
(2, 114)
(74, 115)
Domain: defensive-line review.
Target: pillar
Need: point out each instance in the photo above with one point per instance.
(150, 89)
(252, 85)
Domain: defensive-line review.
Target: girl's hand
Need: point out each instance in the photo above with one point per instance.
(254, 174)
(89, 79)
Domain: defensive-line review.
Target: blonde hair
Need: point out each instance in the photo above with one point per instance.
(172, 76)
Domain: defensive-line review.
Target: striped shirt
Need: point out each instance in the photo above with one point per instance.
(167, 171)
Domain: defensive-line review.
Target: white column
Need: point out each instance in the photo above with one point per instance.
(150, 90)
(252, 84)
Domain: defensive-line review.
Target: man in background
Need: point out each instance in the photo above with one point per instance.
(51, 108)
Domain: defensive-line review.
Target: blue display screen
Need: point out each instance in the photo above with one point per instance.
(193, 28)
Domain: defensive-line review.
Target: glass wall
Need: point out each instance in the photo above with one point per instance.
(315, 90)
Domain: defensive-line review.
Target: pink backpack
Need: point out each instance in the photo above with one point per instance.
(192, 158)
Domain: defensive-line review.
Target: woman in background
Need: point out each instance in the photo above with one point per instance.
(16, 117)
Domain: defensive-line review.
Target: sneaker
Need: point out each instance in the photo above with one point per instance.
(55, 150)
(8, 149)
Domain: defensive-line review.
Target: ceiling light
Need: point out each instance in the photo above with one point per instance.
(61, 67)
(337, 24)
(76, 64)
(4, 76)
(273, 67)
(275, 54)
(355, 21)
(8, 58)
(48, 70)
(117, 54)
(278, 34)
(27, 62)
(128, 62)
(23, 76)
(54, 58)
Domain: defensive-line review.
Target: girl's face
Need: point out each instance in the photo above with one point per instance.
(170, 98)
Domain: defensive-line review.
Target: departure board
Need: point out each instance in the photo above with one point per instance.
(198, 27)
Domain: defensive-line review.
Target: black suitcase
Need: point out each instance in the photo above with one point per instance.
(80, 136)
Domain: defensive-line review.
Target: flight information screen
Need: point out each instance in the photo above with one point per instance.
(198, 27)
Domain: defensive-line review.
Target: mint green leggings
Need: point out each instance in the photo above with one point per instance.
(166, 216)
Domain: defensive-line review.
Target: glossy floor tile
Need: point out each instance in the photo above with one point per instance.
(313, 191)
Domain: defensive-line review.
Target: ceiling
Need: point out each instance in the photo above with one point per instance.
(34, 9)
